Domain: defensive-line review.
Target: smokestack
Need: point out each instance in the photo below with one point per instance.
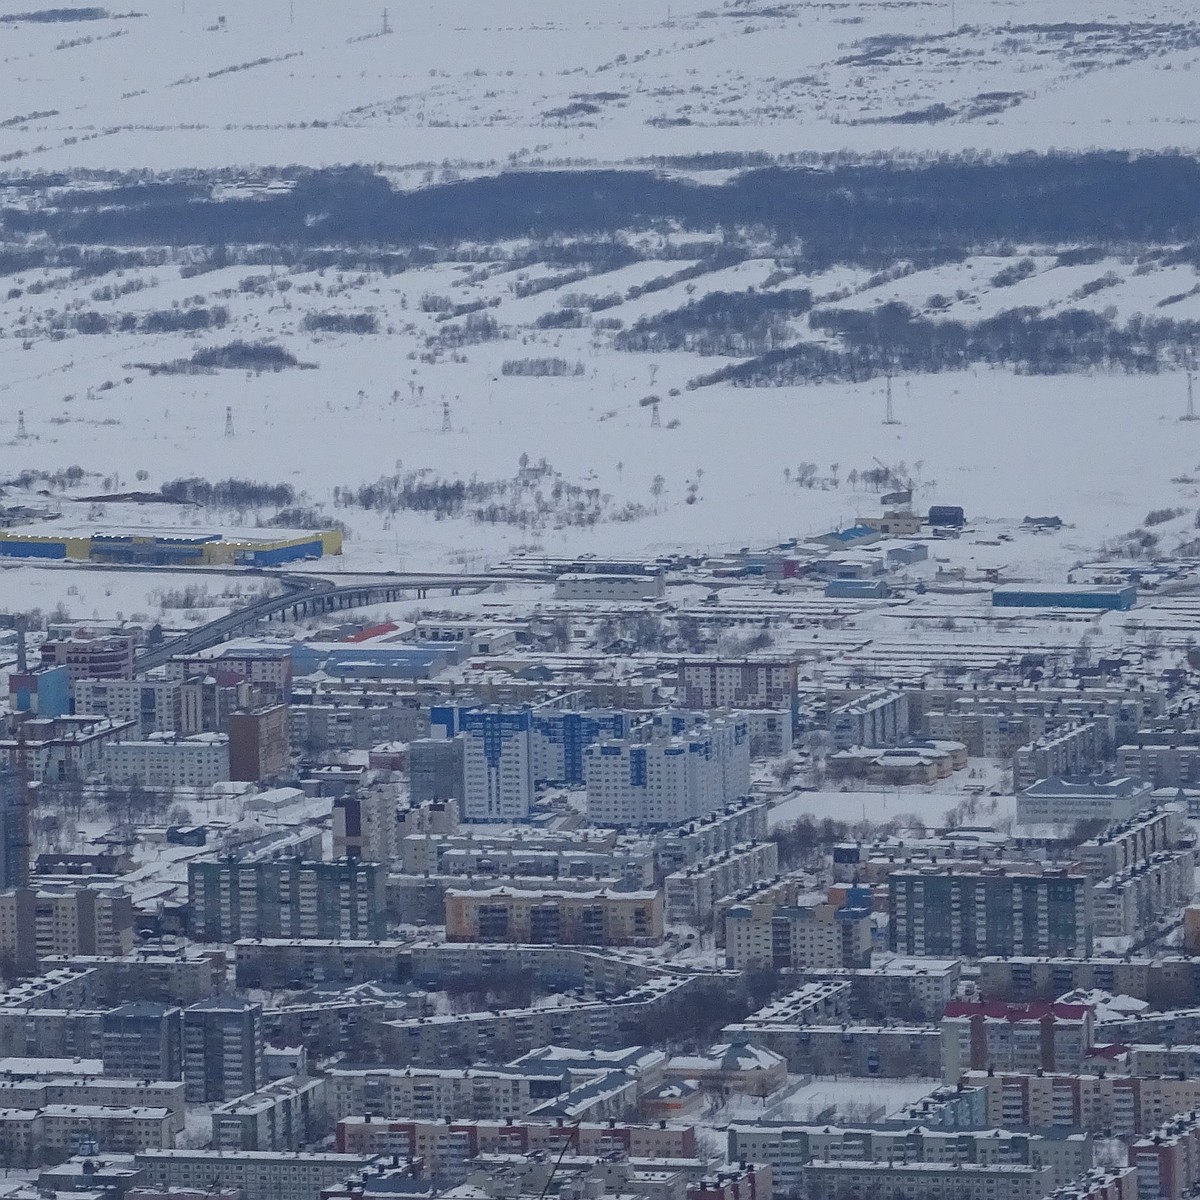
(22, 662)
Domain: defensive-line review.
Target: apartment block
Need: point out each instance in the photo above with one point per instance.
(256, 1174)
(1108, 1104)
(788, 1148)
(488, 1036)
(981, 1035)
(1167, 1161)
(796, 933)
(442, 1144)
(1130, 903)
(364, 825)
(61, 920)
(1166, 982)
(232, 899)
(740, 821)
(1073, 749)
(259, 743)
(669, 779)
(937, 1181)
(306, 962)
(876, 719)
(591, 918)
(429, 1093)
(287, 1114)
(960, 912)
(436, 769)
(895, 988)
(105, 657)
(152, 705)
(223, 1049)
(746, 683)
(167, 760)
(143, 1039)
(690, 895)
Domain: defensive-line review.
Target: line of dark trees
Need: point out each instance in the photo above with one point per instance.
(165, 320)
(857, 211)
(228, 493)
(895, 338)
(733, 323)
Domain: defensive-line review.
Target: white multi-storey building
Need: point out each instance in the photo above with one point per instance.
(876, 719)
(164, 761)
(497, 765)
(668, 780)
(748, 683)
(154, 705)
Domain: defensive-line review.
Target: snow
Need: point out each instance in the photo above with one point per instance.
(208, 84)
(880, 807)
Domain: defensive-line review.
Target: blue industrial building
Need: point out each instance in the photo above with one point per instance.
(45, 692)
(393, 661)
(1115, 598)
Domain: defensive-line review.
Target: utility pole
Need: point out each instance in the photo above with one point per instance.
(1191, 400)
(385, 28)
(228, 420)
(655, 419)
(21, 434)
(446, 426)
(890, 414)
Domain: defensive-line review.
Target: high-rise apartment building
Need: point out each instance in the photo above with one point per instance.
(230, 899)
(956, 912)
(223, 1049)
(497, 764)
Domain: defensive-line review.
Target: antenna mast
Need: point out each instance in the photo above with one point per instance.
(890, 413)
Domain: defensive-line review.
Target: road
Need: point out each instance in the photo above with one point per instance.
(311, 595)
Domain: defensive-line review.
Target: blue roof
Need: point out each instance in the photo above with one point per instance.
(853, 534)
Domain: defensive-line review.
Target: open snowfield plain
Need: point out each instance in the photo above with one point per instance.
(669, 370)
(206, 83)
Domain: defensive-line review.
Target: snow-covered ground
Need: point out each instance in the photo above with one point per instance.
(1002, 445)
(204, 83)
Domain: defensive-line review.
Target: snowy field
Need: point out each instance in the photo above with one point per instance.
(195, 83)
(1002, 445)
(444, 90)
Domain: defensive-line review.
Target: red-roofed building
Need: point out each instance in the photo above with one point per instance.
(978, 1035)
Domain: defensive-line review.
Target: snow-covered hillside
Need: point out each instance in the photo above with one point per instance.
(119, 357)
(190, 83)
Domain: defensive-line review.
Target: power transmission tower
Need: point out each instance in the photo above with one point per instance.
(655, 419)
(21, 425)
(446, 427)
(1191, 401)
(385, 28)
(890, 413)
(228, 420)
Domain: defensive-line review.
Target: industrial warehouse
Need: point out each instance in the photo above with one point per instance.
(170, 547)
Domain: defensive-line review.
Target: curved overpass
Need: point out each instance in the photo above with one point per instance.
(308, 596)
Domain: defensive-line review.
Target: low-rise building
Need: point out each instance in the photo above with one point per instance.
(1058, 801)
(257, 1174)
(945, 1181)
